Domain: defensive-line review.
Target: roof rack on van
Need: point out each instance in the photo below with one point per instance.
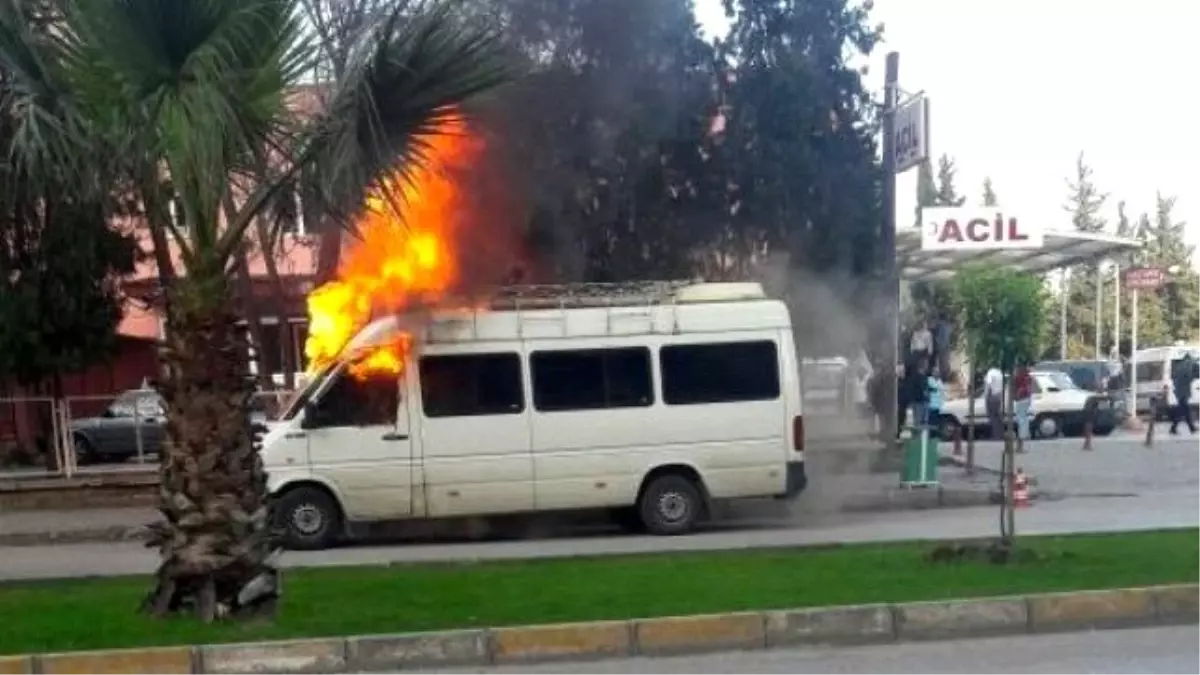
(563, 296)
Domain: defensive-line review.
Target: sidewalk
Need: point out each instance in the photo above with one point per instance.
(74, 526)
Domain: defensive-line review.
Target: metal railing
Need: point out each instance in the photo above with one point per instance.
(43, 437)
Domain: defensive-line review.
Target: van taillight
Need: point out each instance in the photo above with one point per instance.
(798, 433)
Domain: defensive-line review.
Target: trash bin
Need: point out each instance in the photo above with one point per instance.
(920, 458)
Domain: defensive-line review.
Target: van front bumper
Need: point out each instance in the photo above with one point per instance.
(797, 480)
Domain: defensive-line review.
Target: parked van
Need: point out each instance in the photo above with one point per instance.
(656, 399)
(1154, 368)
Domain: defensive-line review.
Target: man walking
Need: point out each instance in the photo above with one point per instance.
(1181, 379)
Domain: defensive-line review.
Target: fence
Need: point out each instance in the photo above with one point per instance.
(90, 435)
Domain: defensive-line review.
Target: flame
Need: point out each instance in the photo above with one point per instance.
(403, 258)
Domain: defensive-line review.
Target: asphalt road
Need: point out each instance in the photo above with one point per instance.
(1146, 650)
(1084, 514)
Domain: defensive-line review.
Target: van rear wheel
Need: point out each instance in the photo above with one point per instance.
(310, 519)
(670, 505)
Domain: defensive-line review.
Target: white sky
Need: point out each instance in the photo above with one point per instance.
(1018, 88)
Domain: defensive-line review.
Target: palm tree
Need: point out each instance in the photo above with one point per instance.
(185, 104)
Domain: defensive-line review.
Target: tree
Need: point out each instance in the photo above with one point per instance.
(60, 270)
(947, 194)
(1167, 248)
(196, 91)
(989, 194)
(1085, 203)
(1001, 310)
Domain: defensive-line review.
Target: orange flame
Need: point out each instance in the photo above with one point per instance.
(405, 255)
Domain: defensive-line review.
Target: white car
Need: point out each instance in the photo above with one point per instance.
(1059, 407)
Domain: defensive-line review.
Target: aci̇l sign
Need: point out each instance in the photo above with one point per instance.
(976, 229)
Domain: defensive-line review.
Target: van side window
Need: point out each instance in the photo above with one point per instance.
(588, 379)
(720, 373)
(359, 402)
(471, 384)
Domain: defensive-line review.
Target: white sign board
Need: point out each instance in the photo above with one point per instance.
(911, 133)
(976, 229)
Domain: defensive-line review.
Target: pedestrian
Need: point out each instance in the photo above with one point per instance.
(941, 349)
(936, 395)
(921, 344)
(1022, 401)
(1181, 378)
(993, 397)
(916, 388)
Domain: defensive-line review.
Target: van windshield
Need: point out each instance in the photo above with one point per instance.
(297, 403)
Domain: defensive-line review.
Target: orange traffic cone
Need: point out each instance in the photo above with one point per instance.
(1020, 490)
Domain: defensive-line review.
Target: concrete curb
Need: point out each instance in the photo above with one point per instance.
(824, 626)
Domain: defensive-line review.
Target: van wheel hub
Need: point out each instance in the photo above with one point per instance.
(308, 519)
(673, 506)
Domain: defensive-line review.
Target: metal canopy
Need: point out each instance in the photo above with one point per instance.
(1061, 249)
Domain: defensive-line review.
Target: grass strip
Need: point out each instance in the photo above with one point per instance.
(52, 616)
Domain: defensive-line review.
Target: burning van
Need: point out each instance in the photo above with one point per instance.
(652, 399)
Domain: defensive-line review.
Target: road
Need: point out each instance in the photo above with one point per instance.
(1146, 650)
(1085, 514)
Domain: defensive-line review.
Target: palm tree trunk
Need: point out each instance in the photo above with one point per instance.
(215, 541)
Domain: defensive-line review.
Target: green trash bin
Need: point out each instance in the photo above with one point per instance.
(920, 458)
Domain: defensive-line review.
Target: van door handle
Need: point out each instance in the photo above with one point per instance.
(295, 434)
(393, 436)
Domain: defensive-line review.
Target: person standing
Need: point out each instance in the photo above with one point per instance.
(993, 397)
(1181, 378)
(941, 349)
(1022, 400)
(921, 344)
(916, 389)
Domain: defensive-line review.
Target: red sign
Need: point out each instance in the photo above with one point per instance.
(1144, 278)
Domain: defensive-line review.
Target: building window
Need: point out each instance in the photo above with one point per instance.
(591, 378)
(268, 358)
(293, 222)
(720, 373)
(176, 210)
(471, 384)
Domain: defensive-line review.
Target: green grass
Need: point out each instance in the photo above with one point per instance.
(93, 614)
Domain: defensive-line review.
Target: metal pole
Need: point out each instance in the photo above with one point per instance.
(891, 91)
(1099, 311)
(1064, 291)
(1117, 308)
(1133, 349)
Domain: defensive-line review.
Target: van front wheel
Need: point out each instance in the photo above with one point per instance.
(670, 505)
(310, 519)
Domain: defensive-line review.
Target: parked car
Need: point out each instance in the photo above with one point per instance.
(1059, 407)
(134, 417)
(1098, 375)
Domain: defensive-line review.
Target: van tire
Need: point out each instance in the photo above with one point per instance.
(309, 518)
(670, 505)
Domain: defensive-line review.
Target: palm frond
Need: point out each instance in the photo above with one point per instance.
(409, 75)
(203, 80)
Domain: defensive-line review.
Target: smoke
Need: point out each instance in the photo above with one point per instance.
(833, 313)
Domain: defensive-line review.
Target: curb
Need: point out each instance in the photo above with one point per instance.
(823, 626)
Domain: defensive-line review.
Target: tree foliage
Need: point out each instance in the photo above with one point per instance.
(193, 98)
(1001, 310)
(60, 269)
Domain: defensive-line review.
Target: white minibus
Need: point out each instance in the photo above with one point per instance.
(655, 399)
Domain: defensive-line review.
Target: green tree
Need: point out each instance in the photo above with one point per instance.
(1085, 203)
(947, 193)
(1001, 311)
(197, 91)
(989, 194)
(1167, 248)
(609, 135)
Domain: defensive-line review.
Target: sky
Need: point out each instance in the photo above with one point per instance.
(1019, 88)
